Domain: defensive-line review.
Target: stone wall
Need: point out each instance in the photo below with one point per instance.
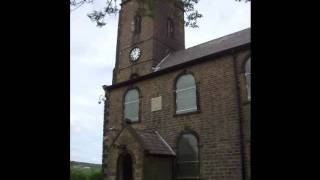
(152, 40)
(221, 123)
(133, 148)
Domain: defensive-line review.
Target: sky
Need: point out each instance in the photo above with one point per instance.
(92, 56)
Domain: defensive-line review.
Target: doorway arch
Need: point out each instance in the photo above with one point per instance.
(125, 169)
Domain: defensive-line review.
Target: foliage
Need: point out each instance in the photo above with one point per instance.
(112, 7)
(85, 174)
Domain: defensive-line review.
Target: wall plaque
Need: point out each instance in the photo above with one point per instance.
(156, 104)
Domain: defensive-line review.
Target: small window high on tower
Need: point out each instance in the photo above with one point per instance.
(170, 28)
(137, 24)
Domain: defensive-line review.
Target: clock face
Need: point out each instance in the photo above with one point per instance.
(135, 53)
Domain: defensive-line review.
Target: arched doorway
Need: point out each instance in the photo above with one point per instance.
(125, 167)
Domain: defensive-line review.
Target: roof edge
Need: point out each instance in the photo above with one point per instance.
(175, 67)
(165, 142)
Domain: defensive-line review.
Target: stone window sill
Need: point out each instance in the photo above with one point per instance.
(187, 113)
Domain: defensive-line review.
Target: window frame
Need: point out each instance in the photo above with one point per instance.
(193, 133)
(197, 83)
(139, 105)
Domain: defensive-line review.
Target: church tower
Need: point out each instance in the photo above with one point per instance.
(143, 41)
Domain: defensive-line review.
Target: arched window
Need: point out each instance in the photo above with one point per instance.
(131, 105)
(137, 24)
(188, 157)
(186, 98)
(248, 77)
(170, 28)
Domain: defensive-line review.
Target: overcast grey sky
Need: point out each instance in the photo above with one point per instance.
(92, 61)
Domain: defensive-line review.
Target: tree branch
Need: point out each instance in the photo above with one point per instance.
(190, 20)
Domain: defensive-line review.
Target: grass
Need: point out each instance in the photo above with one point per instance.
(85, 173)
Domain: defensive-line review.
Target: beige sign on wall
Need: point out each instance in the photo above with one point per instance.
(156, 104)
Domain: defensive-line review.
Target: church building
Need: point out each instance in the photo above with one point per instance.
(173, 113)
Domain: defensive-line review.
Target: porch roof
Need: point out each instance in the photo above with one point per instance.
(151, 141)
(154, 143)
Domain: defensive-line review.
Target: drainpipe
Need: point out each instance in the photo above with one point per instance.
(240, 114)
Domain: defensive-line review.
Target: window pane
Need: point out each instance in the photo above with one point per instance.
(248, 66)
(132, 111)
(248, 80)
(132, 95)
(188, 148)
(185, 81)
(131, 105)
(188, 169)
(248, 77)
(188, 160)
(186, 100)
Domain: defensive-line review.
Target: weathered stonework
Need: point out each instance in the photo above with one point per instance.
(221, 124)
(133, 148)
(217, 124)
(152, 39)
